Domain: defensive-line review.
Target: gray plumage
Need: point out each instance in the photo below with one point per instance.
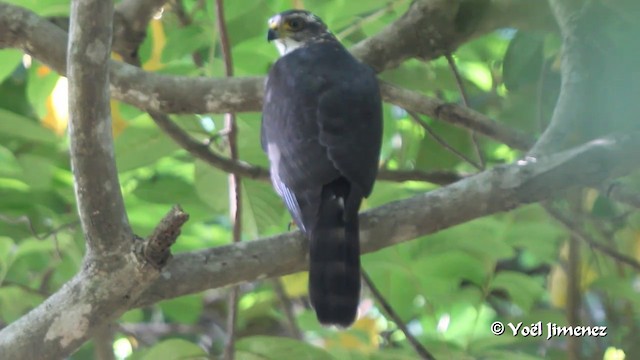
(322, 132)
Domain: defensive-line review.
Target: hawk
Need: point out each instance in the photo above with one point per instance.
(322, 131)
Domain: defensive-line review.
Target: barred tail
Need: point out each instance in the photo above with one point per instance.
(334, 268)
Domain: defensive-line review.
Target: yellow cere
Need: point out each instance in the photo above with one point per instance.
(274, 22)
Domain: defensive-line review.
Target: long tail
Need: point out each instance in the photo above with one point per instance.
(334, 269)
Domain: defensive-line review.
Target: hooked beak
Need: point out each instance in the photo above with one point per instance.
(274, 27)
(272, 35)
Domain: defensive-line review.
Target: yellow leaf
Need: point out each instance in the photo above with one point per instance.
(159, 40)
(589, 199)
(636, 245)
(369, 326)
(118, 124)
(57, 107)
(558, 280)
(350, 339)
(43, 70)
(295, 285)
(614, 354)
(557, 284)
(56, 117)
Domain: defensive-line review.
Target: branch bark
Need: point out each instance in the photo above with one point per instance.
(174, 94)
(572, 110)
(100, 204)
(502, 188)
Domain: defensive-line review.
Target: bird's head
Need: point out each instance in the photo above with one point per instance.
(292, 29)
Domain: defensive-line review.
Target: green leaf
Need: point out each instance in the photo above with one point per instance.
(7, 247)
(34, 246)
(9, 164)
(39, 87)
(212, 186)
(277, 348)
(44, 7)
(523, 60)
(37, 171)
(454, 266)
(9, 60)
(175, 349)
(14, 302)
(523, 290)
(263, 209)
(141, 144)
(183, 309)
(15, 125)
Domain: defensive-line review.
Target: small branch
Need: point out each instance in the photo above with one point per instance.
(103, 343)
(465, 100)
(100, 204)
(622, 193)
(422, 352)
(235, 185)
(186, 20)
(501, 188)
(586, 238)
(454, 114)
(574, 295)
(204, 153)
(25, 288)
(27, 221)
(156, 249)
(130, 23)
(434, 177)
(287, 309)
(441, 141)
(572, 107)
(175, 94)
(372, 17)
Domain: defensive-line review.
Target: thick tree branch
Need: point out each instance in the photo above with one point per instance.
(502, 188)
(131, 20)
(203, 152)
(454, 114)
(100, 204)
(572, 108)
(173, 94)
(432, 28)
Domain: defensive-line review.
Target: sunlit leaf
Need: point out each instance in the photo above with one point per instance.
(173, 349)
(276, 348)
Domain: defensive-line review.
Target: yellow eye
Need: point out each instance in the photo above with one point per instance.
(294, 24)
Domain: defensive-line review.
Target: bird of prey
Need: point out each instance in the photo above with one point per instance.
(322, 132)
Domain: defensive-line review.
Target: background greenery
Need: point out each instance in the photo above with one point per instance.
(448, 287)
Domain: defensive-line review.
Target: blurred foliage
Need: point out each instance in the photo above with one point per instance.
(449, 287)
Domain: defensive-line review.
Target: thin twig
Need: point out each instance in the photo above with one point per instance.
(573, 296)
(454, 114)
(371, 17)
(186, 20)
(287, 308)
(583, 236)
(473, 135)
(156, 249)
(441, 141)
(424, 353)
(622, 193)
(203, 152)
(27, 221)
(103, 343)
(25, 288)
(235, 185)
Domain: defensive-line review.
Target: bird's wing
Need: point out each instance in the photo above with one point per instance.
(350, 127)
(300, 165)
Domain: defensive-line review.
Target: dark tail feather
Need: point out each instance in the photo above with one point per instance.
(334, 264)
